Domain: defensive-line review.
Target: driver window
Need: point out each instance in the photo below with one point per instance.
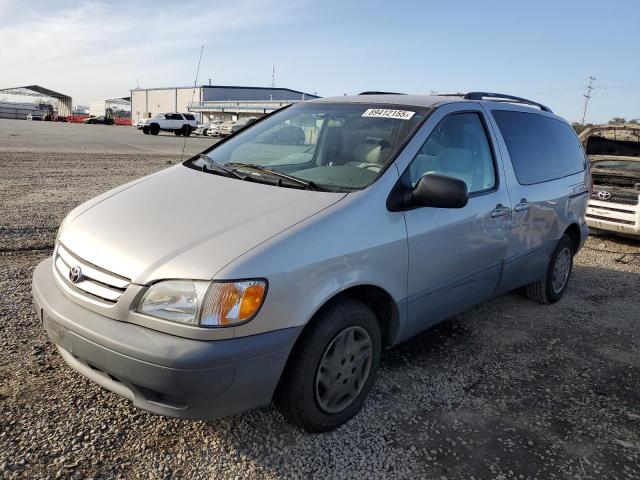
(459, 148)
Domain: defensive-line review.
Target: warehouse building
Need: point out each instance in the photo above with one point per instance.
(212, 102)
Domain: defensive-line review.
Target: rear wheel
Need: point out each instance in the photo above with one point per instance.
(332, 367)
(154, 129)
(552, 287)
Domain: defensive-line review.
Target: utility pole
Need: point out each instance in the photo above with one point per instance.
(587, 96)
(273, 76)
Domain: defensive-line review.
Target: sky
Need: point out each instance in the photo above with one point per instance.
(543, 50)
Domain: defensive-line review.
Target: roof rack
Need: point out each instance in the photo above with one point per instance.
(501, 97)
(374, 92)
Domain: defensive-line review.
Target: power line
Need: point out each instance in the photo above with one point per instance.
(587, 97)
(609, 87)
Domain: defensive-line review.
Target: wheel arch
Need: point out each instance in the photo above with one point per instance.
(573, 232)
(381, 303)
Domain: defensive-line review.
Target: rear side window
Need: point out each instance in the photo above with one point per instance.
(541, 148)
(188, 116)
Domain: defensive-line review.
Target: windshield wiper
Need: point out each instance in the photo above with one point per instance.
(212, 165)
(308, 184)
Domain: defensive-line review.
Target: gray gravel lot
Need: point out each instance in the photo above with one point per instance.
(509, 390)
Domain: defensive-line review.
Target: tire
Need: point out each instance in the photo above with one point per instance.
(556, 279)
(205, 132)
(304, 395)
(154, 129)
(177, 133)
(186, 130)
(145, 130)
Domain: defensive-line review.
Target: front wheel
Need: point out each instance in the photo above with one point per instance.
(332, 367)
(177, 133)
(186, 130)
(154, 129)
(552, 287)
(145, 130)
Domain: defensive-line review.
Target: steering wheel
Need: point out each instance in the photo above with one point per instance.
(371, 166)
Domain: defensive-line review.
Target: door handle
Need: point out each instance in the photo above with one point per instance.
(500, 211)
(521, 207)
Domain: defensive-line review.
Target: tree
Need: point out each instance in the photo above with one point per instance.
(617, 120)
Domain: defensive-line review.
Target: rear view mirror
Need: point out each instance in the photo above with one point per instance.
(440, 191)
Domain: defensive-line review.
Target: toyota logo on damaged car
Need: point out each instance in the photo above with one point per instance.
(604, 195)
(75, 274)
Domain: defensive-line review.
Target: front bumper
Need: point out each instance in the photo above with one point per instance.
(614, 217)
(158, 372)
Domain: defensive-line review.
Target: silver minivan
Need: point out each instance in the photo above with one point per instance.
(260, 271)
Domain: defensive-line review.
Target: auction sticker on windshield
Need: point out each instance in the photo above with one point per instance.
(388, 113)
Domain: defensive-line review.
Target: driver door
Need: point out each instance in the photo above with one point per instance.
(456, 255)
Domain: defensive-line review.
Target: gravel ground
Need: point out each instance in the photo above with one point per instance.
(509, 390)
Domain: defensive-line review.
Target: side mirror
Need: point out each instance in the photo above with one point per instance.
(440, 191)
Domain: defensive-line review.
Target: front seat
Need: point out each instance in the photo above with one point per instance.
(367, 155)
(457, 163)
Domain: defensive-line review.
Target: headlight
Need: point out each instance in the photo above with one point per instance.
(206, 304)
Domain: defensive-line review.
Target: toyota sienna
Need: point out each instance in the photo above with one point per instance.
(262, 270)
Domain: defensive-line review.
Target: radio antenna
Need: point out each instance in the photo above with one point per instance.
(193, 94)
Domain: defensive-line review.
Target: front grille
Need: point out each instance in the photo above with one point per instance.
(626, 198)
(94, 281)
(609, 219)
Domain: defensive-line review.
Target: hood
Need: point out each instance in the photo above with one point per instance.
(183, 223)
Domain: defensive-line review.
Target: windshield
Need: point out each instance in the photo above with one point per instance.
(629, 166)
(334, 146)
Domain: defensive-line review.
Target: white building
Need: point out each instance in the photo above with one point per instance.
(212, 102)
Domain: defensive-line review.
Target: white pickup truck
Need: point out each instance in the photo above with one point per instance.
(178, 123)
(614, 154)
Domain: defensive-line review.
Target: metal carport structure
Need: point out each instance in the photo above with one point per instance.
(64, 101)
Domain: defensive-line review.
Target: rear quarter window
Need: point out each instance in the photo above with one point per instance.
(541, 148)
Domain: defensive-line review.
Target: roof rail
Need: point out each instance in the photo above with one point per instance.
(374, 92)
(501, 97)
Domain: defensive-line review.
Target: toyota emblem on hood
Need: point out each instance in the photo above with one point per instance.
(604, 195)
(75, 274)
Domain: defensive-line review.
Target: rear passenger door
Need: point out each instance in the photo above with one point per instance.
(177, 121)
(545, 171)
(456, 255)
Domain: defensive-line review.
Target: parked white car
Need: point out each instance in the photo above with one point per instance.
(211, 128)
(227, 128)
(178, 123)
